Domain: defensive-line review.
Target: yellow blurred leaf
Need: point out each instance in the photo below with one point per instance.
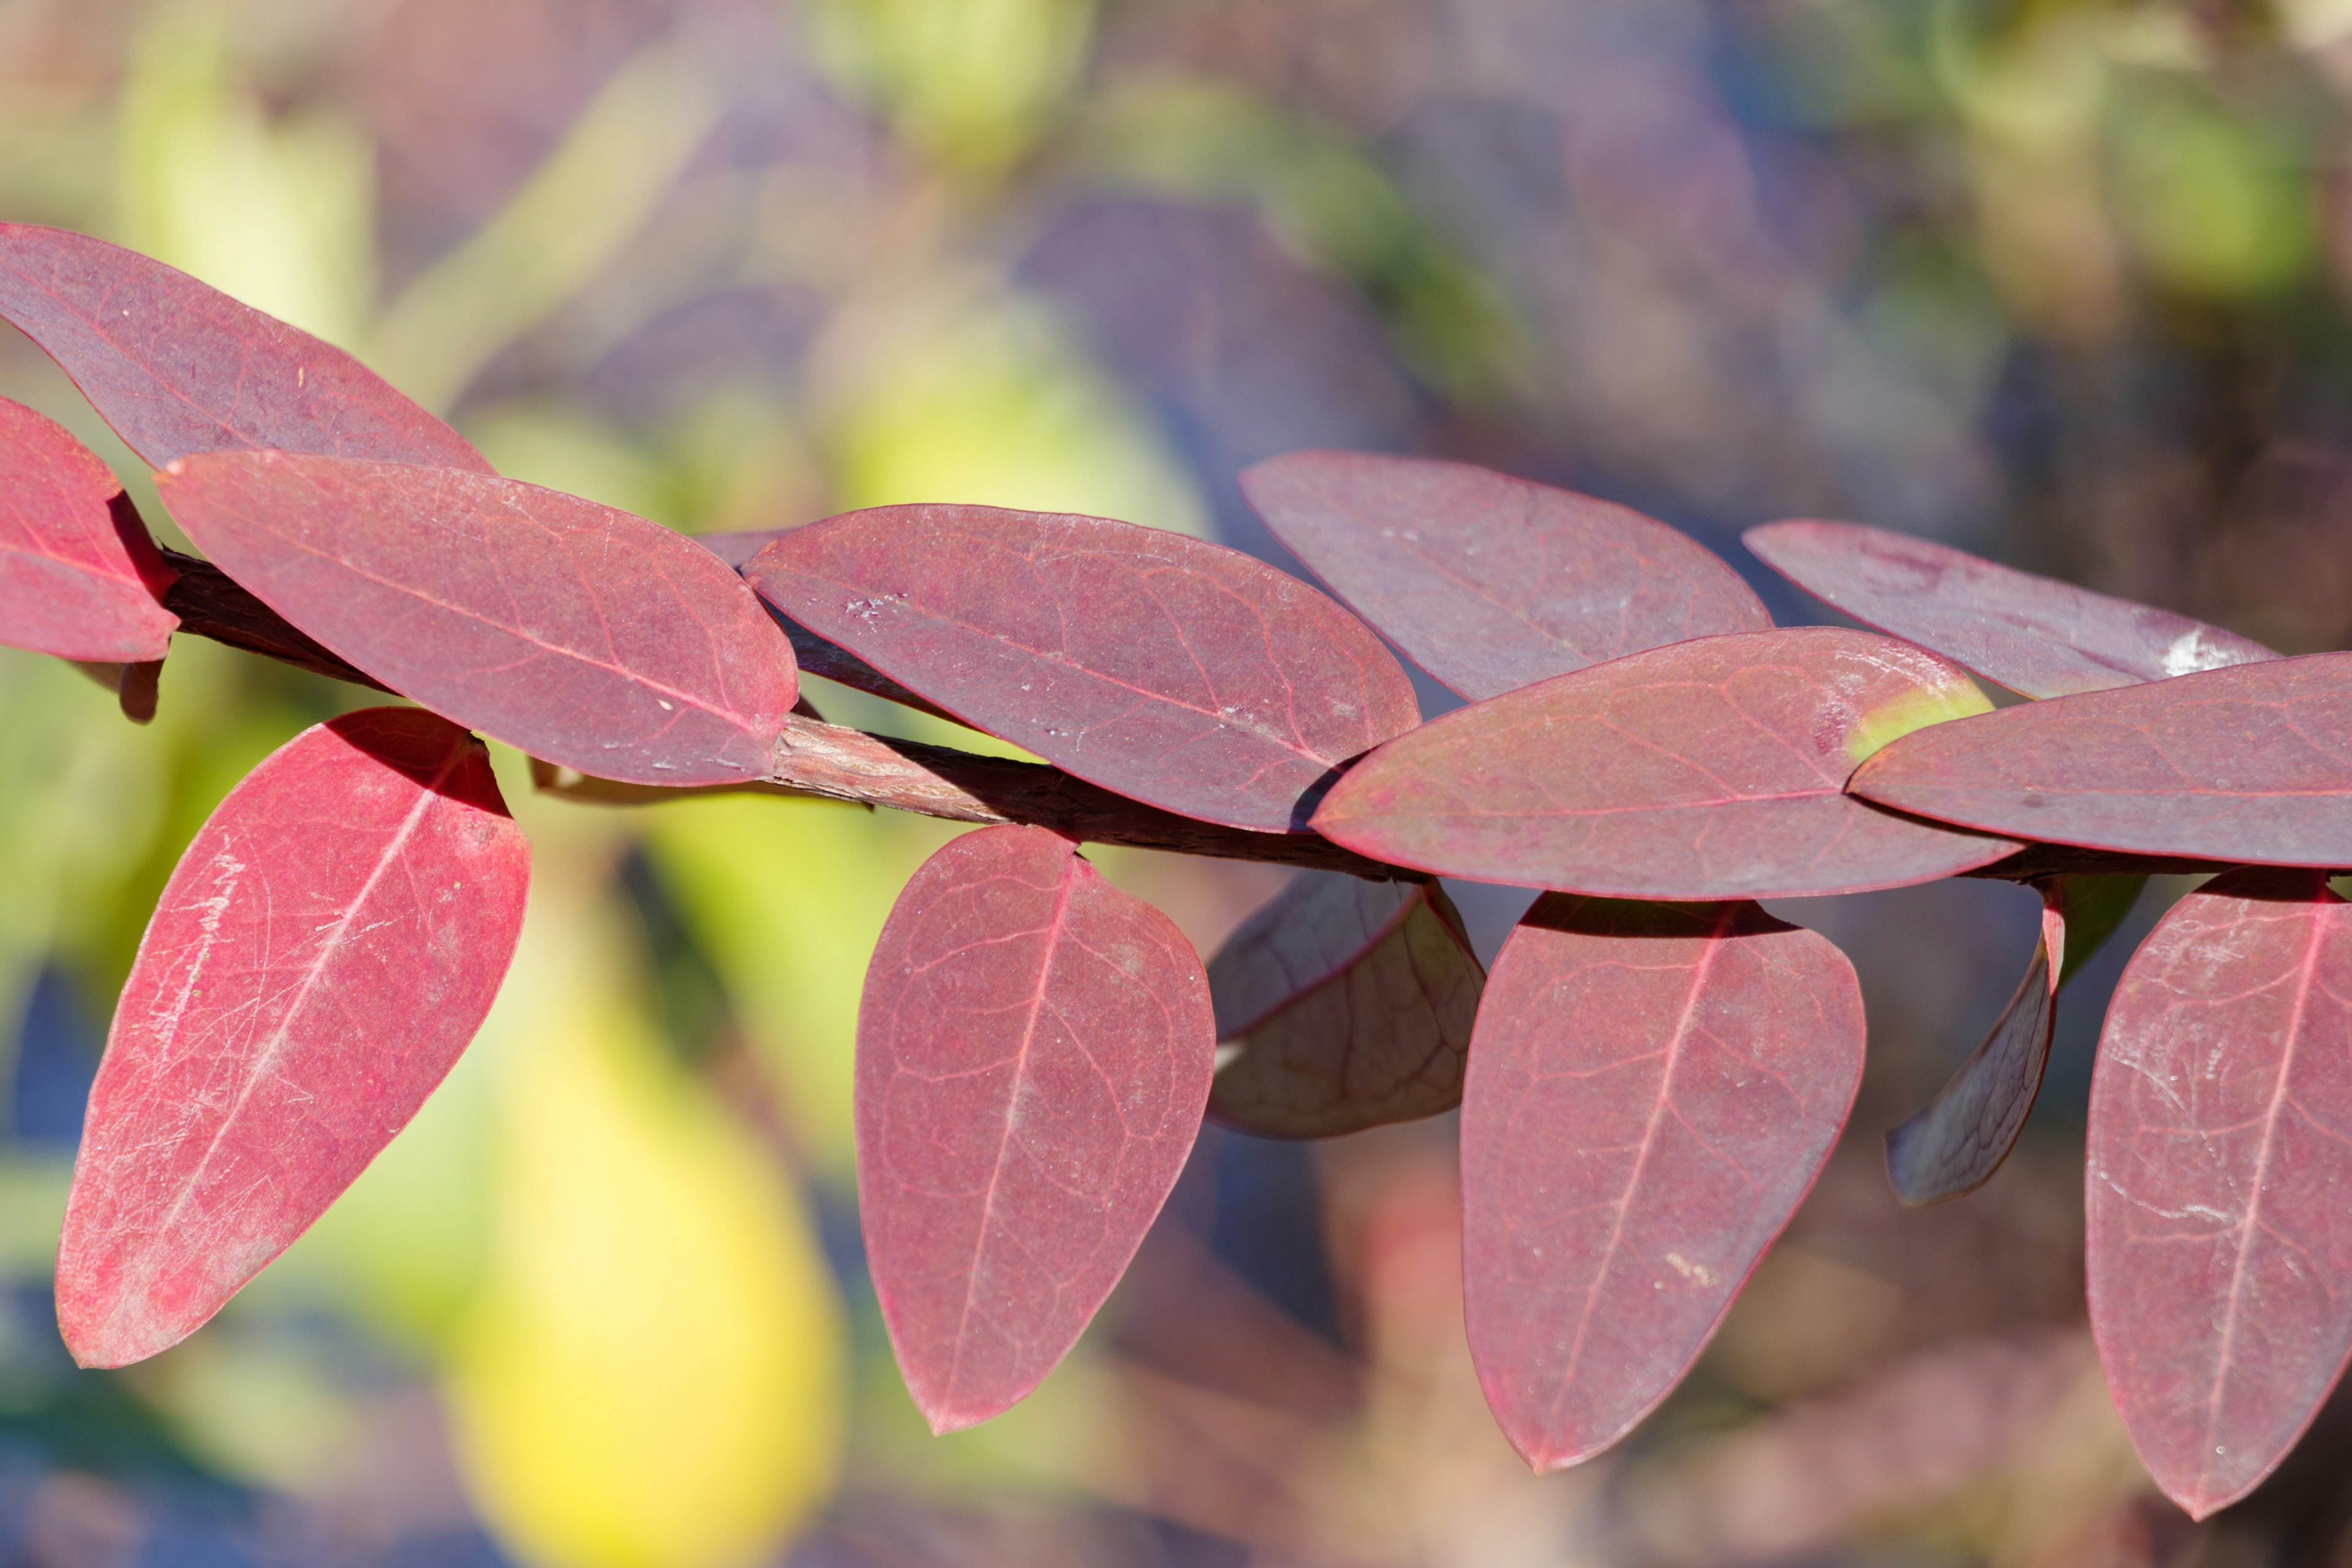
(970, 82)
(2214, 204)
(652, 1376)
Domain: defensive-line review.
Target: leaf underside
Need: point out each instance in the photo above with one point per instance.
(1034, 1052)
(177, 367)
(578, 633)
(2033, 635)
(2221, 1150)
(1652, 1089)
(78, 574)
(1713, 768)
(1180, 674)
(2251, 764)
(324, 951)
(1491, 582)
(1342, 1004)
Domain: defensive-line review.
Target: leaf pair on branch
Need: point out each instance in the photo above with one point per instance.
(1650, 1080)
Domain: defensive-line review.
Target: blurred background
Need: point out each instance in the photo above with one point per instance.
(2062, 282)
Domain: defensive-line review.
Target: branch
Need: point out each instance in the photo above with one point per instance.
(211, 604)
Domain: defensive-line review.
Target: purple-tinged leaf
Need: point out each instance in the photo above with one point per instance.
(2220, 1153)
(1652, 1089)
(577, 633)
(325, 950)
(1342, 1004)
(2250, 765)
(178, 367)
(1491, 582)
(1704, 770)
(1033, 1051)
(1955, 1142)
(79, 576)
(1180, 674)
(737, 549)
(2033, 635)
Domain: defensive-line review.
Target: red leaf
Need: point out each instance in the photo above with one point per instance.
(2033, 635)
(1178, 673)
(2220, 1152)
(1953, 1145)
(78, 574)
(2243, 764)
(1340, 1006)
(178, 367)
(1488, 582)
(1033, 1050)
(578, 634)
(1653, 1088)
(1709, 769)
(326, 948)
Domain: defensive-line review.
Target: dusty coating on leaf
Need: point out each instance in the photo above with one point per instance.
(1343, 1005)
(1489, 582)
(576, 631)
(2219, 1152)
(80, 577)
(2249, 764)
(1712, 768)
(177, 367)
(2033, 635)
(1652, 1089)
(327, 946)
(1178, 673)
(1034, 1052)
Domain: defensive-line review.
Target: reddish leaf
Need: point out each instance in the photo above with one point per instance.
(2220, 1151)
(2033, 635)
(577, 633)
(1954, 1144)
(178, 367)
(737, 549)
(79, 576)
(1653, 1088)
(1709, 769)
(1340, 1006)
(326, 948)
(1033, 1050)
(1491, 582)
(1178, 673)
(2249, 764)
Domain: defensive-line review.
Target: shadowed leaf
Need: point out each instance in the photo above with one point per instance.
(2221, 1150)
(79, 576)
(577, 633)
(178, 367)
(1653, 1088)
(1491, 582)
(1342, 1004)
(1180, 674)
(2252, 763)
(1709, 769)
(325, 950)
(1033, 1051)
(2033, 635)
(1954, 1144)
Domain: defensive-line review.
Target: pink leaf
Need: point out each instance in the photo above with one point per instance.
(1652, 1089)
(1342, 1004)
(2251, 764)
(2033, 635)
(580, 634)
(1488, 582)
(1709, 769)
(78, 574)
(1033, 1050)
(1180, 674)
(178, 367)
(326, 948)
(1954, 1144)
(2220, 1152)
